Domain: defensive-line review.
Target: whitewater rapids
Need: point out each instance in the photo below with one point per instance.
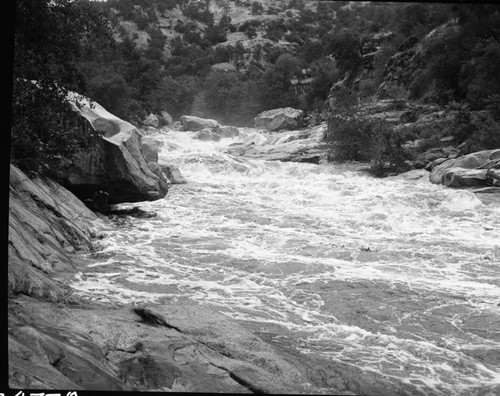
(394, 276)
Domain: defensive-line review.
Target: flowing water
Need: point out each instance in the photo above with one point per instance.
(396, 277)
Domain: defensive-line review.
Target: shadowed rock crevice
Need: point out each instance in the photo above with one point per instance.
(243, 380)
(152, 318)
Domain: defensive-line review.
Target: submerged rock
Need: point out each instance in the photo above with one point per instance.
(208, 134)
(217, 133)
(228, 132)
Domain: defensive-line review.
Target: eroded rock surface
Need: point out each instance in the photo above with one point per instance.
(47, 225)
(296, 146)
(168, 347)
(279, 119)
(115, 164)
(475, 169)
(192, 123)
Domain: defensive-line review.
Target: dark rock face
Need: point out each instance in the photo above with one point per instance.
(115, 164)
(400, 68)
(403, 67)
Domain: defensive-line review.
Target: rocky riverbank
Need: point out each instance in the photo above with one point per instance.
(58, 341)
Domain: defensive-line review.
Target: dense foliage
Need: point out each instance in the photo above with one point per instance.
(118, 53)
(326, 41)
(355, 136)
(50, 37)
(457, 70)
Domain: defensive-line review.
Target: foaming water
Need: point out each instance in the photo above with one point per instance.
(396, 277)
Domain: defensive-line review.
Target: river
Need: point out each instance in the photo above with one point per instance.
(397, 277)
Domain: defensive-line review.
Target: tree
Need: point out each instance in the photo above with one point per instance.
(174, 95)
(345, 46)
(324, 74)
(239, 55)
(50, 37)
(277, 85)
(257, 8)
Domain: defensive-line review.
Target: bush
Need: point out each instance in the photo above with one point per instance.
(356, 138)
(350, 138)
(45, 131)
(250, 28)
(478, 129)
(257, 8)
(198, 11)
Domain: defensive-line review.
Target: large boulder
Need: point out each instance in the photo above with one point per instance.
(279, 119)
(192, 123)
(115, 164)
(474, 169)
(460, 177)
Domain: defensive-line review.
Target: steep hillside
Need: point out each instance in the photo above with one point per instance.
(435, 98)
(231, 60)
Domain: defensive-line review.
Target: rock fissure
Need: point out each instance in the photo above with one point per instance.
(242, 381)
(151, 318)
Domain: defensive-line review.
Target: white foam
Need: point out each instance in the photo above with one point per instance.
(257, 239)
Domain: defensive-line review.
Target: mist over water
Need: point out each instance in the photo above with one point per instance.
(396, 277)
